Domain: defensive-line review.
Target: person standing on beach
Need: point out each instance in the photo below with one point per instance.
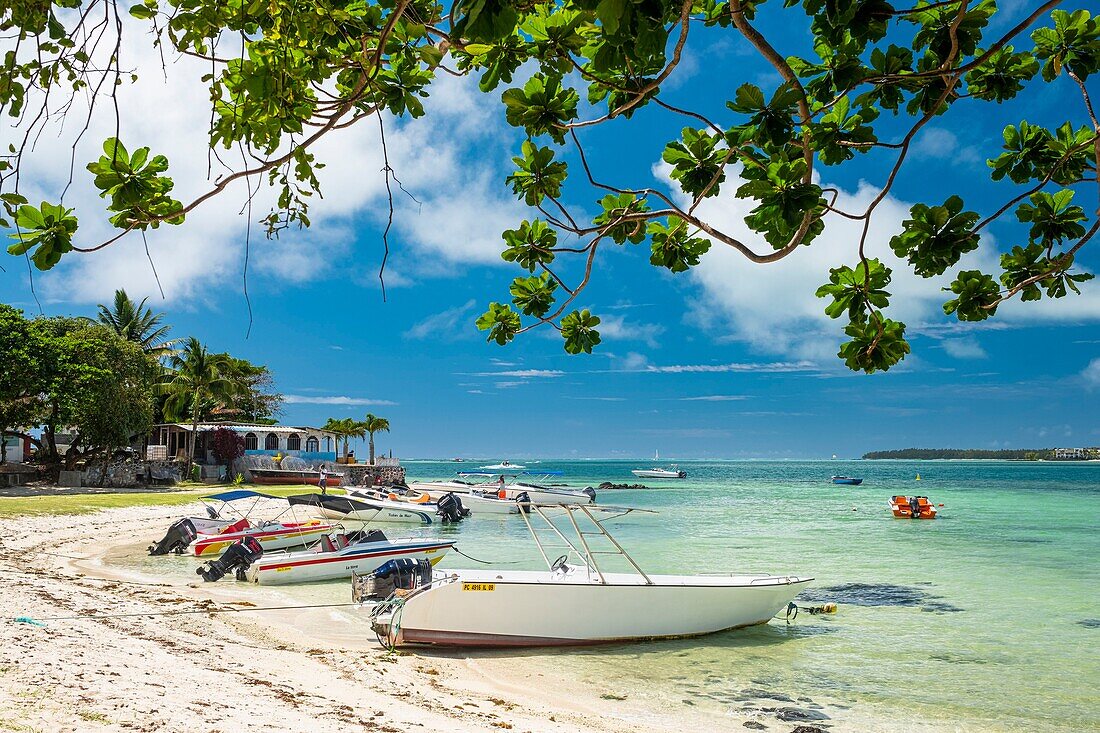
(322, 482)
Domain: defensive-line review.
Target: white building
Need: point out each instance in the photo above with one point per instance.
(311, 444)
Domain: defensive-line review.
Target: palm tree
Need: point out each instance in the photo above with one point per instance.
(195, 379)
(134, 322)
(372, 425)
(345, 428)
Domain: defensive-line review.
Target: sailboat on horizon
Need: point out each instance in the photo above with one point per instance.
(658, 472)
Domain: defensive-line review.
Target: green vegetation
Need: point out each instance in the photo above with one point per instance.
(106, 382)
(853, 80)
(374, 424)
(928, 454)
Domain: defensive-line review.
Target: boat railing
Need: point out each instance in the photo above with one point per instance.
(581, 547)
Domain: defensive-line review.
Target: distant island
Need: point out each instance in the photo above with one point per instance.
(1022, 454)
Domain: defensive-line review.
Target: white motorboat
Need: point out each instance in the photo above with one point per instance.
(335, 557)
(361, 506)
(577, 603)
(491, 502)
(504, 466)
(513, 486)
(659, 473)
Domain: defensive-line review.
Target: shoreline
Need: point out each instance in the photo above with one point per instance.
(305, 669)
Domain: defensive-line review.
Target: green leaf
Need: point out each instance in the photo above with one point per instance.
(673, 248)
(501, 322)
(530, 245)
(534, 295)
(976, 296)
(936, 237)
(875, 344)
(579, 331)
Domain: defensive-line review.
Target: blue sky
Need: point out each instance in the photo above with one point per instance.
(730, 361)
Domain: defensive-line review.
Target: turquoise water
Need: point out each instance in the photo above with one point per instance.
(979, 625)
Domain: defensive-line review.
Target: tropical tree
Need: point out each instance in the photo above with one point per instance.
(135, 322)
(72, 374)
(195, 376)
(822, 90)
(345, 428)
(374, 424)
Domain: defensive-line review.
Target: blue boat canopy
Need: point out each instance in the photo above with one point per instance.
(241, 494)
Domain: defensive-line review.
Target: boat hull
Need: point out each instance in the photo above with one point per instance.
(525, 609)
(270, 538)
(848, 481)
(312, 567)
(643, 473)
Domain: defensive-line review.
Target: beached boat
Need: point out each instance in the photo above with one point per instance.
(576, 603)
(846, 480)
(336, 557)
(271, 535)
(659, 473)
(542, 494)
(281, 477)
(228, 523)
(494, 502)
(912, 507)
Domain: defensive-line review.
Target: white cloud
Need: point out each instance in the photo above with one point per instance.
(964, 348)
(617, 328)
(768, 367)
(297, 399)
(447, 325)
(773, 308)
(937, 142)
(523, 373)
(1091, 374)
(202, 259)
(715, 398)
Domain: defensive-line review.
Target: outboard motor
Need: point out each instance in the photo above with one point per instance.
(397, 574)
(176, 539)
(239, 556)
(524, 501)
(450, 509)
(591, 494)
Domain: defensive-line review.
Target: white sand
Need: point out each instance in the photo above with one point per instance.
(270, 671)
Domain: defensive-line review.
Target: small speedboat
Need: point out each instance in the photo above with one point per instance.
(912, 507)
(341, 556)
(504, 466)
(847, 480)
(270, 535)
(659, 473)
(576, 603)
(227, 524)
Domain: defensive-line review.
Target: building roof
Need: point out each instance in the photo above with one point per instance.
(245, 428)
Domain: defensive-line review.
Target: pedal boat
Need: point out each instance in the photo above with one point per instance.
(902, 507)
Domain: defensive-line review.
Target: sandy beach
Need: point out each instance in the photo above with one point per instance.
(289, 669)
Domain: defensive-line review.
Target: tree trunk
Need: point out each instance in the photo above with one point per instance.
(372, 448)
(3, 447)
(193, 436)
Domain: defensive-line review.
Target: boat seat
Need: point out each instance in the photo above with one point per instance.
(326, 544)
(341, 541)
(238, 526)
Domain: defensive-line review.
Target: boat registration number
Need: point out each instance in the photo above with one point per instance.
(479, 586)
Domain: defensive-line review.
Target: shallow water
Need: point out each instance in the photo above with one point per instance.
(986, 618)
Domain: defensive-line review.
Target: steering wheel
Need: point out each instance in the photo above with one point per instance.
(559, 564)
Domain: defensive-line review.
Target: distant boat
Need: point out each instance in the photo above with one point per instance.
(659, 473)
(504, 465)
(847, 480)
